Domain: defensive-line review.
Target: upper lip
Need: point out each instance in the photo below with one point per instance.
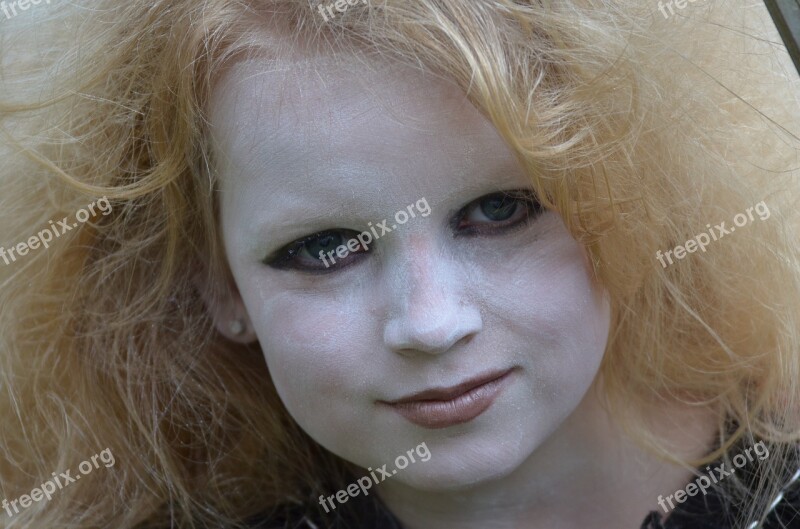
(450, 393)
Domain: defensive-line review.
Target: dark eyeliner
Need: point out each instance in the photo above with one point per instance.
(279, 257)
(285, 257)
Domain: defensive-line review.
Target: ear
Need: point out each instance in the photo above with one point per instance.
(227, 311)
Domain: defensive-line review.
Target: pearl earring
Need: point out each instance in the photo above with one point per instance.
(236, 327)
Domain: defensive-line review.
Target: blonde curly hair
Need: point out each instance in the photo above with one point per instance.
(638, 130)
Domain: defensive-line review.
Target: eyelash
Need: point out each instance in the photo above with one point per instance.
(526, 197)
(287, 257)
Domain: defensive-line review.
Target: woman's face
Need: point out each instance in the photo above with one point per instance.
(471, 295)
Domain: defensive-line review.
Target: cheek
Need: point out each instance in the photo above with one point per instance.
(567, 308)
(545, 298)
(574, 315)
(314, 350)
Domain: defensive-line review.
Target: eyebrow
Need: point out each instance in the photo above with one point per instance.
(290, 223)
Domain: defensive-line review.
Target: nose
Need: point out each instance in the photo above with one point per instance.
(429, 310)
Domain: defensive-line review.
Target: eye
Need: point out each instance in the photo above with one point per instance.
(497, 212)
(318, 252)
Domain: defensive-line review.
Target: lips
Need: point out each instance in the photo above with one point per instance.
(443, 407)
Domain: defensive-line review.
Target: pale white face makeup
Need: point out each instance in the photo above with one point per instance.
(440, 300)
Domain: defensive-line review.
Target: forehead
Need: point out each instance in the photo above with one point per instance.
(323, 138)
(323, 96)
(311, 108)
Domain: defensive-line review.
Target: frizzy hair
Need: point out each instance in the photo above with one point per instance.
(105, 338)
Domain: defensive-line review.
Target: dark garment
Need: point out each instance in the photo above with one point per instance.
(709, 512)
(717, 509)
(698, 512)
(713, 510)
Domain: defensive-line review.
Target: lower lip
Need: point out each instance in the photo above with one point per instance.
(436, 414)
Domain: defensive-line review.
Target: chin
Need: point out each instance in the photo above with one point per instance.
(451, 470)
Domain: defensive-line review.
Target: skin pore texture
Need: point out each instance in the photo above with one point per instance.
(302, 147)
